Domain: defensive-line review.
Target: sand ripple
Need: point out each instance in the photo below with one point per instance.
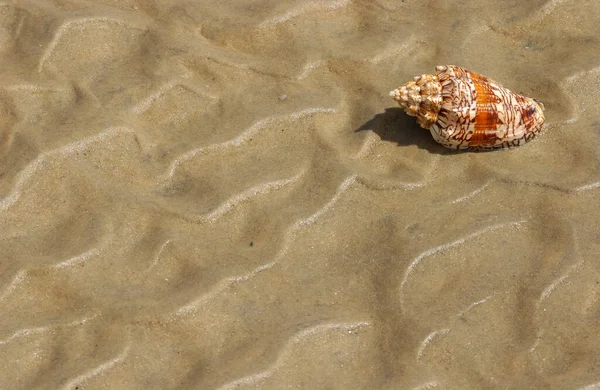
(221, 195)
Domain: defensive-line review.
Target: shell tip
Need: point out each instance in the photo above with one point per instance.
(539, 102)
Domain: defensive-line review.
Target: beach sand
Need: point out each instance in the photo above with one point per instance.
(222, 195)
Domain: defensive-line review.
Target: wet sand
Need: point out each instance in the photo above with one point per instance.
(222, 195)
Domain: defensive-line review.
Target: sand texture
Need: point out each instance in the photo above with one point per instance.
(221, 195)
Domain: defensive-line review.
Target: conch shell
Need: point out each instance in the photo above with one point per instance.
(464, 110)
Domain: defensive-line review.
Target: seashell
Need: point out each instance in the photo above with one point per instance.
(464, 110)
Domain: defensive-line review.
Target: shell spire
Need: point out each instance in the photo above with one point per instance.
(464, 110)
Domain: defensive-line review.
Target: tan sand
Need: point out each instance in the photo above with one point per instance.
(221, 194)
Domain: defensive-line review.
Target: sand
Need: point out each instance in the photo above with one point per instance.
(222, 195)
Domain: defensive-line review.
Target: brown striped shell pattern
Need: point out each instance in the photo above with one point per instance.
(464, 110)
